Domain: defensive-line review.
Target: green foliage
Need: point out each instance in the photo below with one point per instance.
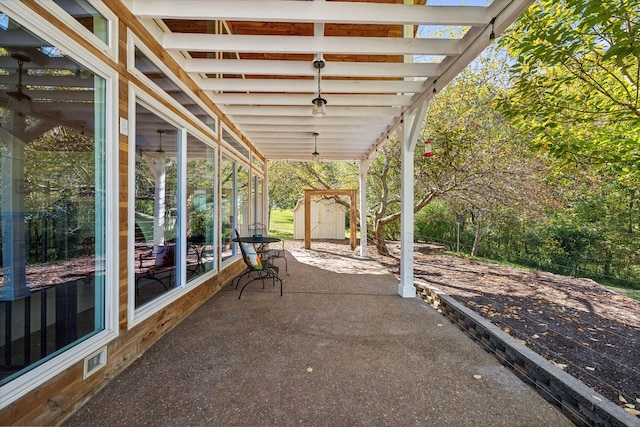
(288, 180)
(281, 223)
(435, 220)
(576, 79)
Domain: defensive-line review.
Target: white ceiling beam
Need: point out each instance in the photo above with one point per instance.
(310, 121)
(310, 44)
(305, 148)
(506, 12)
(283, 129)
(311, 86)
(305, 68)
(302, 144)
(245, 110)
(301, 99)
(326, 135)
(302, 11)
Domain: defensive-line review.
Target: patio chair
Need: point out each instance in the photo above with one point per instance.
(159, 267)
(256, 268)
(270, 252)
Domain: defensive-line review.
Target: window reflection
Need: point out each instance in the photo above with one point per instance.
(257, 199)
(147, 67)
(156, 203)
(200, 207)
(227, 207)
(88, 16)
(243, 201)
(52, 201)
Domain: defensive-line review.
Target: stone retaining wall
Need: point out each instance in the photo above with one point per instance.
(579, 403)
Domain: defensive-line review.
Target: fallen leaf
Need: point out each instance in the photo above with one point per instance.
(440, 324)
(638, 399)
(596, 398)
(632, 411)
(590, 368)
(629, 405)
(309, 369)
(535, 336)
(560, 365)
(593, 339)
(621, 398)
(476, 376)
(507, 330)
(581, 329)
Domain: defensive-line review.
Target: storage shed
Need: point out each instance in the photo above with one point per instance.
(327, 219)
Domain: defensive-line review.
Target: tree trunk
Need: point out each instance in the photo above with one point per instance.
(476, 243)
(480, 232)
(381, 245)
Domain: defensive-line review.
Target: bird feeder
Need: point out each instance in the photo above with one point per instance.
(427, 149)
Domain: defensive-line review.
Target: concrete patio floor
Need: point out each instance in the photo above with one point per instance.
(339, 348)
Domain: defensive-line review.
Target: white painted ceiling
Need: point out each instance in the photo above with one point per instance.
(254, 59)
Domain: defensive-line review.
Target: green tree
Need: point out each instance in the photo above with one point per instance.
(481, 162)
(288, 180)
(576, 76)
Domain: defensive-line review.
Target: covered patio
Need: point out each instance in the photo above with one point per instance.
(339, 348)
(176, 109)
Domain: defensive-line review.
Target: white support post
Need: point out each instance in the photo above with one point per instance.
(405, 287)
(408, 132)
(12, 206)
(266, 212)
(364, 167)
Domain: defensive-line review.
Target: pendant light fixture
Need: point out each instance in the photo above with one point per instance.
(18, 100)
(160, 151)
(319, 103)
(315, 156)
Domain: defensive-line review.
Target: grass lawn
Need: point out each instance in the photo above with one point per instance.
(281, 225)
(631, 293)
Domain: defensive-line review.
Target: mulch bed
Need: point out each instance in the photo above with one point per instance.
(587, 330)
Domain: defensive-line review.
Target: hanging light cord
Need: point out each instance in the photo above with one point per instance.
(20, 64)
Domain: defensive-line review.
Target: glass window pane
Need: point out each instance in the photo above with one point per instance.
(88, 16)
(147, 67)
(156, 202)
(200, 207)
(257, 200)
(243, 201)
(52, 198)
(235, 143)
(227, 208)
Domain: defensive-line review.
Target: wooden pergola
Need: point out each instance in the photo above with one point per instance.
(308, 194)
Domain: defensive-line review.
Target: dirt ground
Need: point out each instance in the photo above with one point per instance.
(587, 330)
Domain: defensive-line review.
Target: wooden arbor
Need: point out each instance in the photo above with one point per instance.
(308, 194)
